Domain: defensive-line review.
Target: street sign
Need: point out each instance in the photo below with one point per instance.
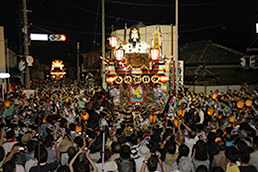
(29, 60)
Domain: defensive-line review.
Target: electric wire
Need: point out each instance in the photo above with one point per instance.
(167, 5)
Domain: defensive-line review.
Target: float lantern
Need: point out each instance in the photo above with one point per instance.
(113, 41)
(119, 54)
(111, 79)
(154, 53)
(163, 78)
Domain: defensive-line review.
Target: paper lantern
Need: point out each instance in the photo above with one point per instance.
(180, 112)
(113, 41)
(152, 118)
(210, 111)
(232, 119)
(176, 122)
(78, 128)
(240, 104)
(85, 116)
(214, 95)
(120, 53)
(110, 79)
(163, 78)
(248, 103)
(154, 53)
(219, 116)
(7, 103)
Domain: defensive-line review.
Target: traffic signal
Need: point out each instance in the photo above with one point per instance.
(252, 61)
(57, 37)
(243, 61)
(22, 66)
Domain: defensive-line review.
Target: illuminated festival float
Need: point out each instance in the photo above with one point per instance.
(57, 70)
(135, 71)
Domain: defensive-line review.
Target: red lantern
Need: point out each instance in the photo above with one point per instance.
(154, 53)
(111, 79)
(163, 78)
(119, 54)
(113, 41)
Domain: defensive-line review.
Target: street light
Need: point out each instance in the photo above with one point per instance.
(4, 76)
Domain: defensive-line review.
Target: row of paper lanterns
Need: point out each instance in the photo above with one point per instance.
(120, 53)
(137, 79)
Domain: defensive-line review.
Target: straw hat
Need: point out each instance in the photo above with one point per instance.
(26, 138)
(64, 145)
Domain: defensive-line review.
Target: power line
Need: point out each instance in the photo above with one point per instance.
(92, 12)
(38, 5)
(167, 5)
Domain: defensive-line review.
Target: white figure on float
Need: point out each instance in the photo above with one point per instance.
(134, 44)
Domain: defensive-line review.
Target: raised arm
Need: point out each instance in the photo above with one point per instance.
(91, 162)
(58, 158)
(74, 158)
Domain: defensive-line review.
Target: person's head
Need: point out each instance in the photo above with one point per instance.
(241, 144)
(255, 142)
(116, 147)
(201, 151)
(202, 168)
(10, 135)
(217, 169)
(31, 145)
(63, 168)
(72, 127)
(43, 154)
(134, 139)
(171, 148)
(134, 35)
(49, 141)
(125, 166)
(185, 165)
(184, 150)
(2, 153)
(107, 155)
(125, 152)
(9, 166)
(232, 154)
(221, 145)
(82, 167)
(152, 164)
(244, 156)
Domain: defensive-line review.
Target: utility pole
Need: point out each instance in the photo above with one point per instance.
(104, 85)
(78, 62)
(176, 53)
(26, 44)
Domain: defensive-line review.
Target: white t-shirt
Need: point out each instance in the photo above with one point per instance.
(110, 166)
(29, 164)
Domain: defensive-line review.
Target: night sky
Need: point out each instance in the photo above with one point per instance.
(230, 23)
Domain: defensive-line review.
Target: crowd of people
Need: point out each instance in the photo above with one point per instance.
(67, 126)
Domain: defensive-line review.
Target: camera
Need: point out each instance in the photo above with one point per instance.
(154, 154)
(79, 133)
(21, 148)
(85, 148)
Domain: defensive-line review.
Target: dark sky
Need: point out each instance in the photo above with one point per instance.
(230, 23)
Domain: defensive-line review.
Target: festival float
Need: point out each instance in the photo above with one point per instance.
(136, 68)
(57, 71)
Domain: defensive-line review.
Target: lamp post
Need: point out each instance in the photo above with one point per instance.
(4, 76)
